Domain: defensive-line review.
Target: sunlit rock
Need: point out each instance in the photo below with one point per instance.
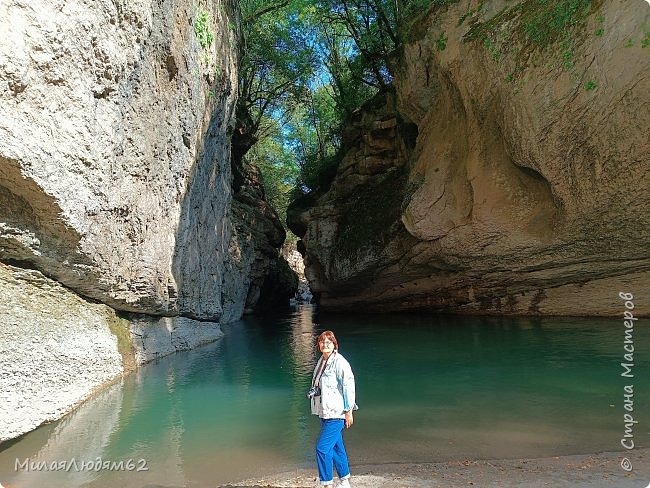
(499, 177)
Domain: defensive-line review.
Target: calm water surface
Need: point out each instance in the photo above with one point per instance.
(429, 388)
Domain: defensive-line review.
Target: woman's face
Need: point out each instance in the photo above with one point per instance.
(326, 346)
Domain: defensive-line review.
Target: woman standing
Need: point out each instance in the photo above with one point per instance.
(332, 399)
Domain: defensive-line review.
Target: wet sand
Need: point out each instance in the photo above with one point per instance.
(577, 471)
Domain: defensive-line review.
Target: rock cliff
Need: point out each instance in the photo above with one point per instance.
(272, 281)
(116, 191)
(114, 153)
(507, 173)
(56, 349)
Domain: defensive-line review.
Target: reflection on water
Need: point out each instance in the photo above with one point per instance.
(303, 340)
(82, 435)
(429, 389)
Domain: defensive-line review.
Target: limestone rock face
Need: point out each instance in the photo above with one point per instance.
(257, 227)
(116, 186)
(297, 264)
(158, 337)
(114, 151)
(527, 187)
(55, 349)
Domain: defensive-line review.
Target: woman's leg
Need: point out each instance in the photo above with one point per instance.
(330, 434)
(341, 458)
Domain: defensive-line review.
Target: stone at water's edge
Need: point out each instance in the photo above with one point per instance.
(497, 178)
(115, 181)
(55, 349)
(154, 337)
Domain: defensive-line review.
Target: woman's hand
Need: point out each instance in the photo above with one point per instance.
(349, 419)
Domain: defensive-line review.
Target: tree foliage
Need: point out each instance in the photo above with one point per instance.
(277, 61)
(306, 66)
(278, 168)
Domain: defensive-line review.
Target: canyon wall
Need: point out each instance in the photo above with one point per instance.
(508, 172)
(111, 144)
(56, 349)
(116, 193)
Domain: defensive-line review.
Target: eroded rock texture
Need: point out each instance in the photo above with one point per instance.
(56, 349)
(272, 281)
(500, 177)
(115, 171)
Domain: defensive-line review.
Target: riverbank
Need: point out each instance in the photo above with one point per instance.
(577, 471)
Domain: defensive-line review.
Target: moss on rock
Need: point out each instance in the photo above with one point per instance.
(119, 327)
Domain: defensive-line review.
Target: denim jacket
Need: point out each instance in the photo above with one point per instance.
(337, 389)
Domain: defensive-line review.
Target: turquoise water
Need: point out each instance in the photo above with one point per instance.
(429, 388)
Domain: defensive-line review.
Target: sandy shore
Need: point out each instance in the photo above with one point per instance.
(579, 471)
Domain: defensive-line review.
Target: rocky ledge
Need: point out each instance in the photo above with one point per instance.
(508, 172)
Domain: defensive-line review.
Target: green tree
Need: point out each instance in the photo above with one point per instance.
(278, 167)
(312, 133)
(306, 66)
(276, 64)
(376, 29)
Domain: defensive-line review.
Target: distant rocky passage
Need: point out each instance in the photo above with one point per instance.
(297, 264)
(502, 175)
(257, 226)
(115, 176)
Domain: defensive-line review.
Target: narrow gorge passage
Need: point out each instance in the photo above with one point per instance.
(191, 192)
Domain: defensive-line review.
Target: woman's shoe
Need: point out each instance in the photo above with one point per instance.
(344, 483)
